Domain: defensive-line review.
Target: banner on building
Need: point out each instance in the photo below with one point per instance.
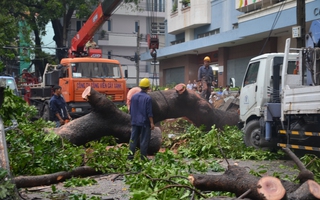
(244, 3)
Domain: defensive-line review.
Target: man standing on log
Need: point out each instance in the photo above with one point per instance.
(58, 107)
(205, 75)
(141, 119)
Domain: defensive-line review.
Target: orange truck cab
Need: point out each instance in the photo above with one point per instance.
(74, 75)
(103, 75)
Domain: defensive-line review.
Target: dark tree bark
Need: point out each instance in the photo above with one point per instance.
(235, 179)
(106, 119)
(171, 104)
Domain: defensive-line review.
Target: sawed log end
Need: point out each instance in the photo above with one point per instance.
(191, 179)
(86, 93)
(270, 188)
(314, 188)
(180, 88)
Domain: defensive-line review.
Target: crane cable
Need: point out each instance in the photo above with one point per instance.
(154, 24)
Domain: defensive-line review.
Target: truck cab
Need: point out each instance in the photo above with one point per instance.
(261, 85)
(103, 75)
(280, 100)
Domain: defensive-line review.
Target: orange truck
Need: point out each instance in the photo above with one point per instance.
(83, 67)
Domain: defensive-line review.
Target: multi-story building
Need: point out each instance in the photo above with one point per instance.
(231, 32)
(124, 36)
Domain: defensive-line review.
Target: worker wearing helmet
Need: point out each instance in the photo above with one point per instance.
(205, 76)
(141, 119)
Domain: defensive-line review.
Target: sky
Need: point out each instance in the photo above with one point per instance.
(48, 41)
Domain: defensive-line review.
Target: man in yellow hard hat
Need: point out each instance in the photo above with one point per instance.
(205, 76)
(141, 119)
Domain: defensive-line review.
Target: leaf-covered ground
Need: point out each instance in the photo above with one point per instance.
(186, 149)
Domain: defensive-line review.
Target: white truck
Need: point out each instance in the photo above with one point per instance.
(280, 100)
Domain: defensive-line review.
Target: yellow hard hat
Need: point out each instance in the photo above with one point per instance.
(144, 83)
(207, 58)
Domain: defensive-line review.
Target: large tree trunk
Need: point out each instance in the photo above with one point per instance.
(106, 119)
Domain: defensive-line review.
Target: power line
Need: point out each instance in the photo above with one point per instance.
(273, 25)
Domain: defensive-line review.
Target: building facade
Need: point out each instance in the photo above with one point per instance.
(124, 35)
(230, 32)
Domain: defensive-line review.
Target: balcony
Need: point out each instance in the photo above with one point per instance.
(251, 5)
(184, 17)
(253, 10)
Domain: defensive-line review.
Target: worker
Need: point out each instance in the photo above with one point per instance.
(90, 44)
(141, 120)
(205, 76)
(58, 107)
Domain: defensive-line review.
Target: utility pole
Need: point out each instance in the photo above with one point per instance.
(301, 21)
(137, 56)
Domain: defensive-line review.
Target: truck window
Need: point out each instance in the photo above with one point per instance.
(252, 73)
(95, 70)
(11, 84)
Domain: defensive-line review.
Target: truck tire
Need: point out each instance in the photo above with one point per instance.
(46, 113)
(252, 134)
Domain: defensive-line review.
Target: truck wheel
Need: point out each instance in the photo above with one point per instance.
(252, 134)
(46, 113)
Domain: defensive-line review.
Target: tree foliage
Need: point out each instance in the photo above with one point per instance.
(36, 15)
(8, 32)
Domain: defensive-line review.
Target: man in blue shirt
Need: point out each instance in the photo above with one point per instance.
(58, 107)
(141, 119)
(205, 75)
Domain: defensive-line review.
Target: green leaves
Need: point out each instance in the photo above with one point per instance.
(219, 144)
(7, 188)
(312, 162)
(15, 107)
(78, 182)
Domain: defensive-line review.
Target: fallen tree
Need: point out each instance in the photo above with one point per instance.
(106, 119)
(237, 180)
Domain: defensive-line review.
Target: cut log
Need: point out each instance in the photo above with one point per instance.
(309, 190)
(270, 188)
(48, 179)
(235, 179)
(106, 119)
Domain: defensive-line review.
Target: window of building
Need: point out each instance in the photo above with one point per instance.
(136, 26)
(213, 32)
(80, 24)
(109, 25)
(235, 26)
(157, 28)
(177, 41)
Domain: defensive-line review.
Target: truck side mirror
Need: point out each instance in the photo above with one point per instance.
(126, 73)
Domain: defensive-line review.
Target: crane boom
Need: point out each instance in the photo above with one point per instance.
(94, 22)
